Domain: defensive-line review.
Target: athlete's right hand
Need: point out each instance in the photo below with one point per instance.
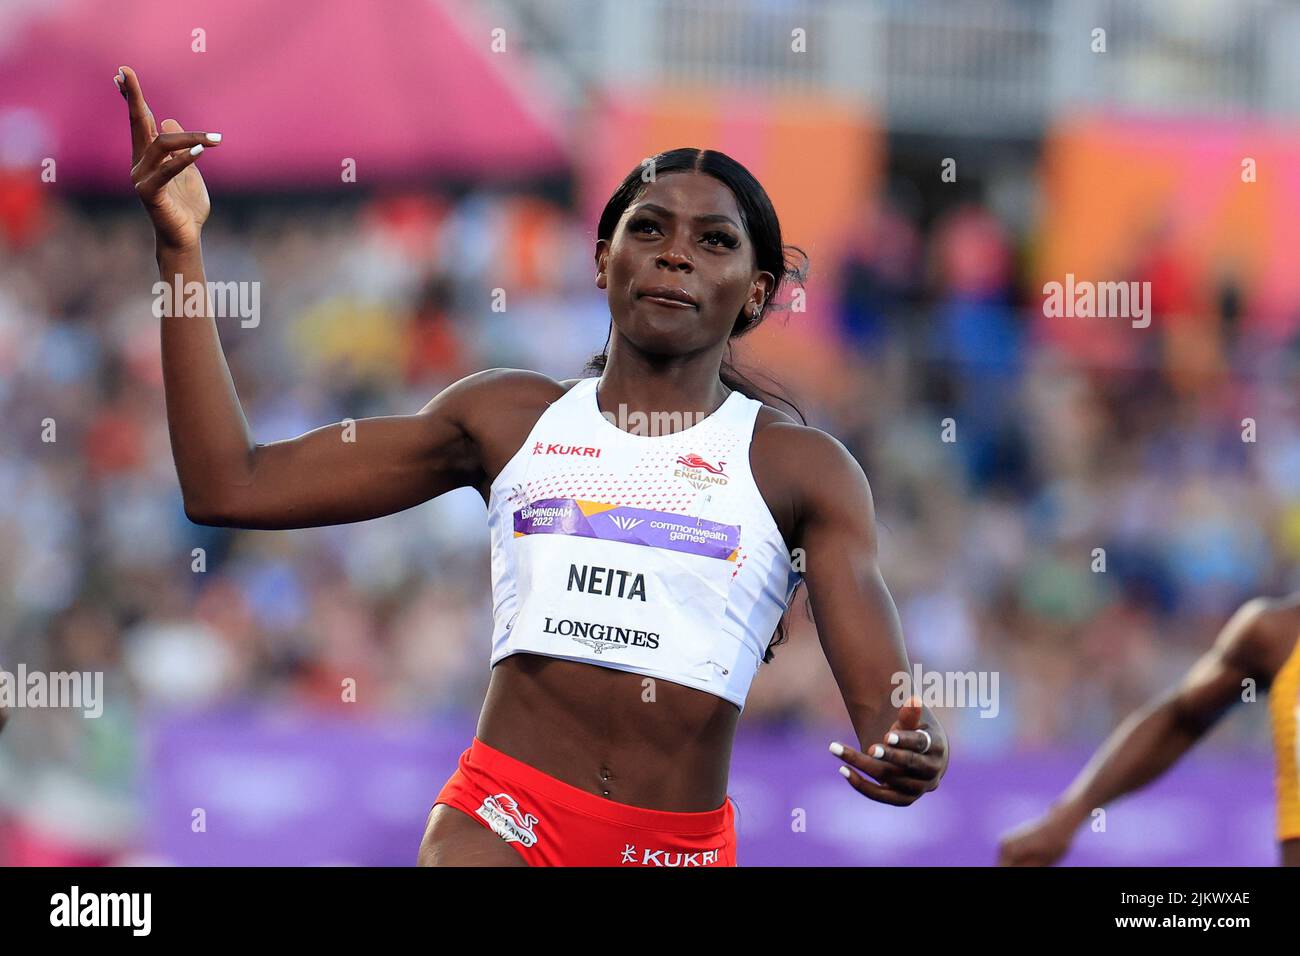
(1040, 842)
(163, 170)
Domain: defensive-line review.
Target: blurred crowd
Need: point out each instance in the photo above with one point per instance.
(1082, 528)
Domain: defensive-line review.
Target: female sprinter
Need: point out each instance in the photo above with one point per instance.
(637, 578)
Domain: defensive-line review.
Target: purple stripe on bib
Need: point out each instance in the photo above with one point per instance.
(656, 529)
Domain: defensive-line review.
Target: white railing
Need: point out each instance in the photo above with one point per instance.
(997, 67)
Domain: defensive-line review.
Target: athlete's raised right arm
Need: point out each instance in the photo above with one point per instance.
(331, 475)
(1149, 741)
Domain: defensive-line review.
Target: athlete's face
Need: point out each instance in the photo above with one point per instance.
(683, 237)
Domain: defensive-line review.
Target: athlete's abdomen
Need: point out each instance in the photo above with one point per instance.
(645, 742)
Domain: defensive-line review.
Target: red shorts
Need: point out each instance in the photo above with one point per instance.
(553, 823)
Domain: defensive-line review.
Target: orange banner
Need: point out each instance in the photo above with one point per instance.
(1194, 207)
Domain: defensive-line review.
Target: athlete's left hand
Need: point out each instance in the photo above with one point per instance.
(903, 771)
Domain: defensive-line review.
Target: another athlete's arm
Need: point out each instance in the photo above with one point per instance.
(857, 622)
(1149, 741)
(331, 475)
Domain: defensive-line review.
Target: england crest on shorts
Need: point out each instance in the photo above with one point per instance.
(502, 813)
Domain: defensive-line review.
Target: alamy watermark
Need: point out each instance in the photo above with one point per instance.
(73, 690)
(74, 908)
(1100, 300)
(947, 689)
(220, 300)
(653, 424)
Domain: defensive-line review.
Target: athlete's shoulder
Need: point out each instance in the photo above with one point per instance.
(1263, 632)
(803, 448)
(806, 473)
(509, 386)
(484, 403)
(1281, 614)
(499, 380)
(1279, 627)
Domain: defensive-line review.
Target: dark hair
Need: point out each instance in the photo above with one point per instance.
(758, 217)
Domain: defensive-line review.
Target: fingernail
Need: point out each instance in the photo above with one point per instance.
(845, 771)
(837, 749)
(892, 738)
(196, 149)
(877, 751)
(117, 80)
(214, 137)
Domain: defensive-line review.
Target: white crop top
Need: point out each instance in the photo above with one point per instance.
(650, 554)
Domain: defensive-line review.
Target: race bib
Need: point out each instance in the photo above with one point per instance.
(623, 585)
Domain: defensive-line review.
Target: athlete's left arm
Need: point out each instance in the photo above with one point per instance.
(857, 622)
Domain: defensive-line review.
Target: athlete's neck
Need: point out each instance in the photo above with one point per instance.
(691, 389)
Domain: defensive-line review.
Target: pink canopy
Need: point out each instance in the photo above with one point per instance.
(403, 87)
